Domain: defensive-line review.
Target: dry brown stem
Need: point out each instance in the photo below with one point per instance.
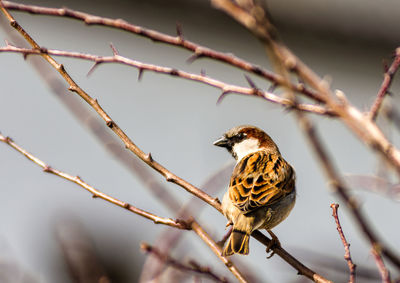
(347, 255)
(180, 224)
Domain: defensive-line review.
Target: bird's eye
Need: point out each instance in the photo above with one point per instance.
(240, 136)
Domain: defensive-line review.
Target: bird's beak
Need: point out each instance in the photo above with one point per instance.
(222, 142)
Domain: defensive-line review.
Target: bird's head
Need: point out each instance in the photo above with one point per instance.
(243, 140)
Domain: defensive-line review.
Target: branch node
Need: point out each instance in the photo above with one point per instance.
(47, 169)
(110, 124)
(149, 157)
(73, 88)
(174, 72)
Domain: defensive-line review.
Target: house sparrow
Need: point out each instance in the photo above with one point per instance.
(261, 191)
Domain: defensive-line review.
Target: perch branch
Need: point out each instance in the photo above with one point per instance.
(347, 255)
(180, 224)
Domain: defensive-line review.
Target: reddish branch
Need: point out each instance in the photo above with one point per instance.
(347, 256)
(198, 50)
(384, 89)
(117, 58)
(381, 266)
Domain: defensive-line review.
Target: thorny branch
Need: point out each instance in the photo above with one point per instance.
(253, 16)
(180, 224)
(117, 58)
(199, 51)
(347, 255)
(147, 158)
(191, 267)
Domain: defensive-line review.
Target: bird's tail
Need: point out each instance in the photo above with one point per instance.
(238, 243)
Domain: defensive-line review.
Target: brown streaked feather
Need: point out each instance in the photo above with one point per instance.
(260, 179)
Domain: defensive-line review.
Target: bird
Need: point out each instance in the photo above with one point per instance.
(261, 191)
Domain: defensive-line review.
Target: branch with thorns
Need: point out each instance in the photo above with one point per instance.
(198, 50)
(224, 87)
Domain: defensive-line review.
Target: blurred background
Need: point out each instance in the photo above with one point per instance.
(47, 223)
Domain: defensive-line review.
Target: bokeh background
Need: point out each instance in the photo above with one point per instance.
(177, 121)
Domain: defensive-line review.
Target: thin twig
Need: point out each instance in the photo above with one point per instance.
(384, 89)
(385, 275)
(347, 255)
(180, 224)
(199, 51)
(193, 267)
(117, 58)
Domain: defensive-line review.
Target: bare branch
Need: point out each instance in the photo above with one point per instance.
(193, 267)
(116, 58)
(347, 255)
(381, 266)
(198, 50)
(384, 89)
(180, 224)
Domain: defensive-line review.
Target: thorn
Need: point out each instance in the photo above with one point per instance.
(140, 74)
(272, 87)
(203, 72)
(193, 58)
(250, 82)
(222, 96)
(149, 157)
(179, 31)
(114, 49)
(91, 70)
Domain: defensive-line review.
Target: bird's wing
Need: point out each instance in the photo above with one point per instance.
(260, 179)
